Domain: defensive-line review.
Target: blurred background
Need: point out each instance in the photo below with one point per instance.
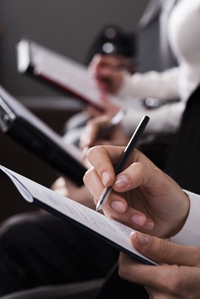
(68, 27)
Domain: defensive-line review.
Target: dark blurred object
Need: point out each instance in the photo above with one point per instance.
(113, 40)
(183, 163)
(32, 133)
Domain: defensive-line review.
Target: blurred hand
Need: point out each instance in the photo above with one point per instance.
(178, 276)
(94, 126)
(143, 196)
(110, 108)
(107, 72)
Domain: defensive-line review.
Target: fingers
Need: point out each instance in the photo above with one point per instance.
(163, 251)
(145, 188)
(103, 173)
(133, 176)
(92, 130)
(103, 158)
(106, 73)
(143, 196)
(140, 172)
(104, 176)
(162, 281)
(109, 79)
(177, 275)
(95, 63)
(100, 61)
(113, 153)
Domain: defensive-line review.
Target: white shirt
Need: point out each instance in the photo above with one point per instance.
(190, 233)
(184, 39)
(178, 82)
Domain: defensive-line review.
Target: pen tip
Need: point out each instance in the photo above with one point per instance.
(98, 207)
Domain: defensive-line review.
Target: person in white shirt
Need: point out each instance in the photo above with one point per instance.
(148, 200)
(177, 82)
(195, 20)
(167, 222)
(151, 51)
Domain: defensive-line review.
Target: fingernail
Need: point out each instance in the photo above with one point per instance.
(148, 225)
(105, 177)
(122, 181)
(138, 219)
(85, 150)
(142, 239)
(118, 206)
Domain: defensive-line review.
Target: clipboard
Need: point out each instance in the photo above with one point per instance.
(60, 72)
(29, 131)
(114, 233)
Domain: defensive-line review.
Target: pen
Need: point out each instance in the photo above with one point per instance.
(116, 119)
(124, 158)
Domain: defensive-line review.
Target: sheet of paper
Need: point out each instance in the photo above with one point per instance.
(108, 228)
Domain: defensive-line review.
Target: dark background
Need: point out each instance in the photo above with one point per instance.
(69, 27)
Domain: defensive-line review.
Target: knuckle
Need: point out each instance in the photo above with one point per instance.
(123, 267)
(122, 271)
(175, 282)
(172, 282)
(195, 256)
(166, 248)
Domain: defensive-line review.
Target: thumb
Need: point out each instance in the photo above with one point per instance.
(163, 251)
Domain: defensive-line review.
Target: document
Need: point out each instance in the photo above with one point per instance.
(31, 132)
(92, 221)
(61, 72)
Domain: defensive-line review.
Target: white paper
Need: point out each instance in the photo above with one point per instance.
(68, 74)
(108, 228)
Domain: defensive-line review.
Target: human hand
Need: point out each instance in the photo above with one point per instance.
(67, 188)
(110, 108)
(107, 72)
(89, 137)
(177, 276)
(143, 196)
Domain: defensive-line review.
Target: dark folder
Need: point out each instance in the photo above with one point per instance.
(28, 130)
(60, 72)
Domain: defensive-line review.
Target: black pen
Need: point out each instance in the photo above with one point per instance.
(124, 159)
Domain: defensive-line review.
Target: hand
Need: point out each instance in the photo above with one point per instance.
(143, 196)
(89, 137)
(179, 275)
(67, 188)
(107, 72)
(110, 108)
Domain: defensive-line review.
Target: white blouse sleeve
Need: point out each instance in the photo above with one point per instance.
(190, 233)
(164, 119)
(163, 85)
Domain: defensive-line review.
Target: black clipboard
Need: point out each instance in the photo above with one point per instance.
(36, 136)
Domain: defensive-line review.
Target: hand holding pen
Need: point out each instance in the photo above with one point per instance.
(143, 196)
(99, 129)
(124, 158)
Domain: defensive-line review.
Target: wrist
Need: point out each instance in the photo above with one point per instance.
(183, 218)
(189, 235)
